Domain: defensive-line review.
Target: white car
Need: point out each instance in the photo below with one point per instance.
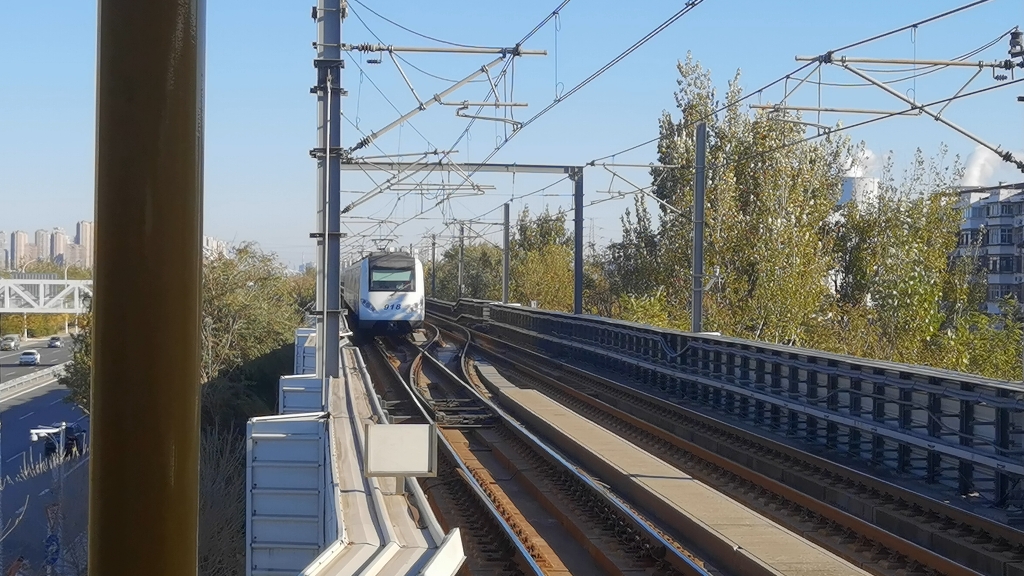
(29, 358)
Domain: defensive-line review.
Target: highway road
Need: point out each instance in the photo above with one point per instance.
(9, 368)
(20, 411)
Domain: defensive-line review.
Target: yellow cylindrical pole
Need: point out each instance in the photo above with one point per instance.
(144, 472)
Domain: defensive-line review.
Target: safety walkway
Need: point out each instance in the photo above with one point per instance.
(311, 510)
(677, 500)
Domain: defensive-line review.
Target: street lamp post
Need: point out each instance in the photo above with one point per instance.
(58, 434)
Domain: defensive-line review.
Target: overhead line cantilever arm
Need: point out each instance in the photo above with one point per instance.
(371, 137)
(781, 108)
(843, 60)
(513, 51)
(1005, 155)
(394, 179)
(406, 78)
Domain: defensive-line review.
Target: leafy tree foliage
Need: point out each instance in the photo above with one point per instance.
(542, 261)
(544, 275)
(303, 289)
(481, 272)
(248, 309)
(875, 278)
(77, 374)
(634, 262)
(532, 234)
(763, 219)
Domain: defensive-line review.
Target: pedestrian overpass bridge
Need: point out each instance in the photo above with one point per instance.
(19, 296)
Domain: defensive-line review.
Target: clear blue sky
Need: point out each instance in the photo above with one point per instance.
(261, 117)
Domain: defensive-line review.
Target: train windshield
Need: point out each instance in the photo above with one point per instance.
(391, 280)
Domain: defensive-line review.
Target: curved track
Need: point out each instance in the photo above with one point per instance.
(882, 526)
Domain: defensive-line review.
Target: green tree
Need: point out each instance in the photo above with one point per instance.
(541, 258)
(634, 262)
(544, 275)
(249, 312)
(249, 309)
(74, 272)
(767, 200)
(303, 289)
(907, 282)
(77, 373)
(534, 233)
(481, 272)
(598, 298)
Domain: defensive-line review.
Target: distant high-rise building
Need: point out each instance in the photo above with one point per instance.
(19, 249)
(214, 247)
(84, 238)
(42, 245)
(58, 245)
(5, 256)
(74, 255)
(994, 226)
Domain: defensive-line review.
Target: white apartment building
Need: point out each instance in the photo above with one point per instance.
(994, 221)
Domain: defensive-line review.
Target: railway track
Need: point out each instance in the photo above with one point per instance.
(456, 498)
(885, 528)
(553, 519)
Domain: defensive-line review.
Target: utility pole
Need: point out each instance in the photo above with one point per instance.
(433, 265)
(577, 298)
(698, 229)
(462, 232)
(329, 15)
(505, 258)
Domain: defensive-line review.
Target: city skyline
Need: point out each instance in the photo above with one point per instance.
(56, 245)
(48, 245)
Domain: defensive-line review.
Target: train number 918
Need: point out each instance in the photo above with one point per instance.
(392, 306)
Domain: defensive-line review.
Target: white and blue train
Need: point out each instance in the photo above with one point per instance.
(384, 293)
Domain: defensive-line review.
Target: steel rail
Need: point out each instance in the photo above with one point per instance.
(672, 554)
(643, 422)
(523, 556)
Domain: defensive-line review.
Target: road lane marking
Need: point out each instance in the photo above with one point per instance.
(18, 455)
(56, 401)
(27, 415)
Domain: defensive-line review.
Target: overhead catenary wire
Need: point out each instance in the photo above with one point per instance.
(804, 140)
(405, 60)
(420, 34)
(388, 100)
(789, 75)
(921, 71)
(509, 63)
(689, 6)
(499, 77)
(781, 79)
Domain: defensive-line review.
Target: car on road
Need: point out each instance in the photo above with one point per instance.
(29, 358)
(10, 342)
(55, 342)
